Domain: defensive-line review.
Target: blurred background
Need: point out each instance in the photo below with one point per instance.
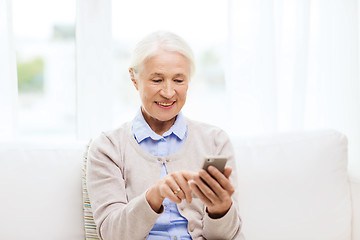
(263, 66)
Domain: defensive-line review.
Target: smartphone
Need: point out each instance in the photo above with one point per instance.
(217, 161)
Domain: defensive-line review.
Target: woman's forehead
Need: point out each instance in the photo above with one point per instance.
(165, 62)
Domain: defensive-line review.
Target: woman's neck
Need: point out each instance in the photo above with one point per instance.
(159, 127)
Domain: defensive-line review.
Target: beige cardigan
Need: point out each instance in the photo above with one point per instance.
(119, 172)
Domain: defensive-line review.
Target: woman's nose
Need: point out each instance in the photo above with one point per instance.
(168, 90)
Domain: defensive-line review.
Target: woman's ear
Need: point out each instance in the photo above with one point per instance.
(132, 77)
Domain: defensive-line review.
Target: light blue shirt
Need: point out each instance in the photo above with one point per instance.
(170, 224)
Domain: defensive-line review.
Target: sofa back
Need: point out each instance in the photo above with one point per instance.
(294, 186)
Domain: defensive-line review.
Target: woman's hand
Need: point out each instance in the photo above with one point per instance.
(214, 190)
(173, 186)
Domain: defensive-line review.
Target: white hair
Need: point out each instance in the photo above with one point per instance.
(154, 43)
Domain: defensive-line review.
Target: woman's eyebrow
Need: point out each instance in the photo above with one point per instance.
(161, 75)
(179, 75)
(156, 74)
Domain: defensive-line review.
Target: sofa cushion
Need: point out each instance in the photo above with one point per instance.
(294, 186)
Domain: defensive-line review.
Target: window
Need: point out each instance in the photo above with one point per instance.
(55, 101)
(44, 41)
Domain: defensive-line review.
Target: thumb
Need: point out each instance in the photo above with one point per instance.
(189, 175)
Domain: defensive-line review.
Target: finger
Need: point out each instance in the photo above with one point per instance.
(183, 184)
(205, 183)
(212, 184)
(189, 175)
(173, 190)
(195, 188)
(227, 172)
(167, 192)
(180, 194)
(221, 179)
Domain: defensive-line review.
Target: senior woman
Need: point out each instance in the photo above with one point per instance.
(145, 179)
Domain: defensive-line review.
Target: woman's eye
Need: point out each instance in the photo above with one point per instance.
(156, 80)
(178, 80)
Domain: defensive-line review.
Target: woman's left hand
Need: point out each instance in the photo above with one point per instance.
(214, 190)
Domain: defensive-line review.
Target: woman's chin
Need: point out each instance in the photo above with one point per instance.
(166, 118)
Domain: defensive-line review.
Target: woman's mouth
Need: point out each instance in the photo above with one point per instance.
(165, 104)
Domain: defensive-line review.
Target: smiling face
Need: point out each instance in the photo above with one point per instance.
(162, 84)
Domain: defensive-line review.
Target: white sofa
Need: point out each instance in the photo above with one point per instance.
(292, 186)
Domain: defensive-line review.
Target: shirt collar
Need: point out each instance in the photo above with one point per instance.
(142, 130)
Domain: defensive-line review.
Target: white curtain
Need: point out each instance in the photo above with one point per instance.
(294, 66)
(93, 67)
(8, 83)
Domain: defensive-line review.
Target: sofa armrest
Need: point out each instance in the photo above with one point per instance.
(355, 201)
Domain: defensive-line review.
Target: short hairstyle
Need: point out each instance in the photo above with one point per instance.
(156, 41)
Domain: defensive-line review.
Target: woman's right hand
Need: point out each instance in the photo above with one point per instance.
(173, 186)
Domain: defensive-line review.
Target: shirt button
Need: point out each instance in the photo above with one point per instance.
(175, 238)
(163, 140)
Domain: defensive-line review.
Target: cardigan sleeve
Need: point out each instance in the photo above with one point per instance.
(229, 226)
(114, 215)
